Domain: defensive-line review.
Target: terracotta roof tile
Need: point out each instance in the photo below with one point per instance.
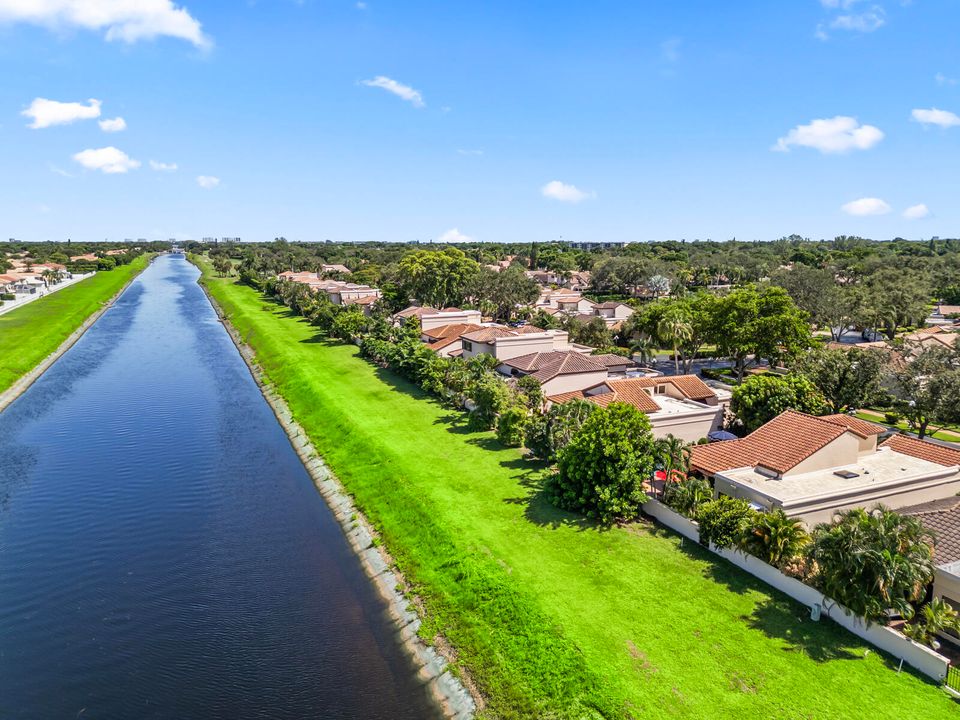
(781, 444)
(546, 366)
(626, 391)
(942, 517)
(488, 334)
(444, 335)
(611, 360)
(861, 427)
(690, 386)
(931, 452)
(416, 312)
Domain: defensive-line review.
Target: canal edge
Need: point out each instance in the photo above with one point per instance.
(24, 382)
(455, 700)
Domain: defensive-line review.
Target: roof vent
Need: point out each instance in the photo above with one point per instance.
(846, 474)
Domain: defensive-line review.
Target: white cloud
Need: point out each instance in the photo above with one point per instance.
(60, 171)
(944, 80)
(109, 160)
(112, 125)
(162, 166)
(941, 118)
(453, 235)
(124, 20)
(361, 6)
(207, 182)
(399, 89)
(839, 134)
(47, 113)
(864, 22)
(866, 206)
(563, 192)
(843, 4)
(916, 212)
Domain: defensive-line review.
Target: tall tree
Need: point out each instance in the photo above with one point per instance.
(602, 471)
(762, 397)
(437, 277)
(847, 378)
(760, 322)
(926, 388)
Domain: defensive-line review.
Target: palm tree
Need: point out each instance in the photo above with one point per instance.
(774, 537)
(873, 562)
(675, 328)
(674, 455)
(688, 495)
(643, 346)
(937, 617)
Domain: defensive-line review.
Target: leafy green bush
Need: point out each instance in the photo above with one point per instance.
(874, 561)
(688, 495)
(602, 471)
(722, 521)
(548, 433)
(774, 537)
(892, 418)
(511, 425)
(762, 397)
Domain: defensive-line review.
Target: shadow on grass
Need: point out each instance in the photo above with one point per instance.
(537, 506)
(782, 618)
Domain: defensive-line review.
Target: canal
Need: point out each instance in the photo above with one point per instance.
(163, 552)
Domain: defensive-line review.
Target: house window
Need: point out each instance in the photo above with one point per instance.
(660, 390)
(467, 345)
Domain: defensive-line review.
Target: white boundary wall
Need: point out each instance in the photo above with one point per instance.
(928, 662)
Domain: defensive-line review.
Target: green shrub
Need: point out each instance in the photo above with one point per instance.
(723, 521)
(602, 471)
(511, 425)
(688, 495)
(892, 418)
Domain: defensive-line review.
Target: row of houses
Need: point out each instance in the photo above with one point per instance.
(26, 278)
(683, 406)
(339, 292)
(571, 303)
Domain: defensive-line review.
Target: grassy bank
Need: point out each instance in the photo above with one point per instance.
(554, 617)
(30, 333)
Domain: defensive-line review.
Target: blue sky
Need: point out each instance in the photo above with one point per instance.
(498, 121)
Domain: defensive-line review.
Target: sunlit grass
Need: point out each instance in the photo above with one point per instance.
(30, 333)
(552, 616)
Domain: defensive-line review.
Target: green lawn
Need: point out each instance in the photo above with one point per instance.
(941, 432)
(554, 617)
(30, 333)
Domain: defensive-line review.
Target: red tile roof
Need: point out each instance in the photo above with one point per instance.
(416, 312)
(546, 366)
(444, 335)
(633, 391)
(942, 517)
(781, 444)
(861, 427)
(364, 300)
(931, 452)
(611, 360)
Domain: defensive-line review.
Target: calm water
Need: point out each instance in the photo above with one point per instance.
(163, 552)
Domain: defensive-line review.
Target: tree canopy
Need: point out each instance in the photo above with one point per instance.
(602, 470)
(762, 397)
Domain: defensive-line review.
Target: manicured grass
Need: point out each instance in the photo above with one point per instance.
(30, 333)
(878, 417)
(553, 616)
